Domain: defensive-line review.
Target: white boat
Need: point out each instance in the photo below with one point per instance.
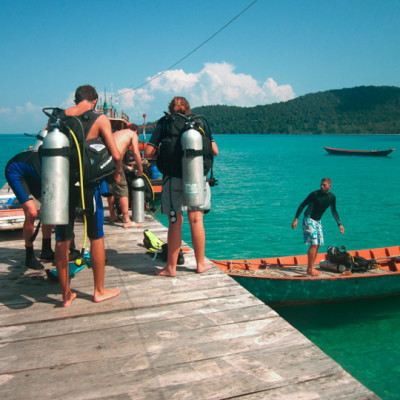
(11, 213)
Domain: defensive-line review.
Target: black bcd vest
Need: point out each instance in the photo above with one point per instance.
(170, 153)
(96, 158)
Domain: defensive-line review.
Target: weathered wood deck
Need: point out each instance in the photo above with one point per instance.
(189, 337)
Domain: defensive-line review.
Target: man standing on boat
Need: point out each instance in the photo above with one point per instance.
(95, 125)
(317, 202)
(124, 138)
(172, 191)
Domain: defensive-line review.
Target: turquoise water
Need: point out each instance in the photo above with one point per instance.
(262, 180)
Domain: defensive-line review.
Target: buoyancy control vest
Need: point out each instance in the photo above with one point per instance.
(170, 153)
(96, 158)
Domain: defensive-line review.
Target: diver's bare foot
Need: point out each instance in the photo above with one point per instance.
(113, 219)
(313, 272)
(68, 299)
(204, 268)
(130, 224)
(165, 272)
(106, 295)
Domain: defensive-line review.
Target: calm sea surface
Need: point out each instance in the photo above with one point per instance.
(262, 180)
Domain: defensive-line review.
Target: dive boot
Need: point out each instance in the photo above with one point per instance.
(33, 263)
(47, 255)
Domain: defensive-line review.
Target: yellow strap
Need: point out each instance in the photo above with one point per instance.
(81, 184)
(151, 186)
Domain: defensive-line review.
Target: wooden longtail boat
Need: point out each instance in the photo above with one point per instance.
(283, 280)
(376, 153)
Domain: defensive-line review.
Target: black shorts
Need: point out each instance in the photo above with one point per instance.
(94, 213)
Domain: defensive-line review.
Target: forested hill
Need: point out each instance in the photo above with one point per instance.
(359, 110)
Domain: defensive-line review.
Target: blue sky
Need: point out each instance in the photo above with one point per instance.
(275, 51)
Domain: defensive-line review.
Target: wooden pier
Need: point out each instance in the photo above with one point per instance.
(190, 337)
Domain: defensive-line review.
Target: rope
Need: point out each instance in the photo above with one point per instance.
(191, 52)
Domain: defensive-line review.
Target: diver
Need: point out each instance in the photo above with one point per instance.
(94, 125)
(124, 139)
(172, 192)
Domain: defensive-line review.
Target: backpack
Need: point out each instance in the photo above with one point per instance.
(97, 160)
(170, 153)
(156, 247)
(361, 264)
(339, 256)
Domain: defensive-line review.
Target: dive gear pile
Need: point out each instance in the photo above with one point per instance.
(342, 257)
(155, 247)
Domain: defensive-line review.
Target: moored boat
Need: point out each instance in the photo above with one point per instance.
(377, 153)
(283, 280)
(11, 212)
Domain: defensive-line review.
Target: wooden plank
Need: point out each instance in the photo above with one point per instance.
(219, 311)
(209, 378)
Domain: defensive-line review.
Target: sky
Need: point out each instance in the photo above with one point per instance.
(274, 51)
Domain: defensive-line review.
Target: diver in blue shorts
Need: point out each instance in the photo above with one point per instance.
(317, 202)
(82, 119)
(23, 175)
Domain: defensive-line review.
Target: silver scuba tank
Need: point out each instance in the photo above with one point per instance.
(39, 139)
(55, 177)
(137, 205)
(329, 266)
(192, 168)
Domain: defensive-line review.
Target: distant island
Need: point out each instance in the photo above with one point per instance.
(359, 110)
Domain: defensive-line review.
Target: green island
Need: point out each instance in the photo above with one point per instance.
(358, 110)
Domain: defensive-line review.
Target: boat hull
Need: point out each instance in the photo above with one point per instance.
(283, 280)
(342, 152)
(290, 291)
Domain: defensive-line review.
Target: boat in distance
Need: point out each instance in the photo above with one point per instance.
(284, 280)
(343, 152)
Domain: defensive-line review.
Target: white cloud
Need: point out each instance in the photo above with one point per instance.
(131, 98)
(5, 111)
(174, 81)
(69, 101)
(22, 118)
(221, 85)
(28, 109)
(216, 83)
(273, 91)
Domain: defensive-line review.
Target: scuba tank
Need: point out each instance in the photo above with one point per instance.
(39, 139)
(137, 199)
(192, 168)
(329, 266)
(55, 176)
